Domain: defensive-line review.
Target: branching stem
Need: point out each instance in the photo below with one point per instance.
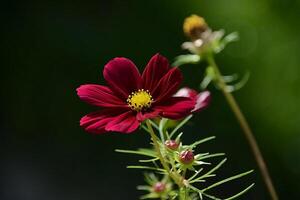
(245, 127)
(176, 177)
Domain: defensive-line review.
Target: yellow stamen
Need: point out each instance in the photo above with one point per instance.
(193, 26)
(140, 100)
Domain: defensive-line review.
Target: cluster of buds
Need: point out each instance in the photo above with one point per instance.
(183, 154)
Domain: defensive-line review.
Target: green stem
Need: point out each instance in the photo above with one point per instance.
(177, 178)
(183, 173)
(182, 193)
(186, 194)
(245, 127)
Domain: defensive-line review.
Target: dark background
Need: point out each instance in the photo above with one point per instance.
(49, 48)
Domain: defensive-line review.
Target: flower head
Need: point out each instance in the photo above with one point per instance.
(131, 97)
(203, 39)
(201, 100)
(194, 26)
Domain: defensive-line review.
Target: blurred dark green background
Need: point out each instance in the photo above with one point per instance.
(49, 48)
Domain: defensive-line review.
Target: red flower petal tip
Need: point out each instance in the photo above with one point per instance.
(201, 100)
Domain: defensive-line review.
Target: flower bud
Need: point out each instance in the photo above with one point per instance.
(159, 187)
(171, 144)
(186, 157)
(194, 26)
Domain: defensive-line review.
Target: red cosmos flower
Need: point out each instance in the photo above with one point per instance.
(201, 100)
(130, 98)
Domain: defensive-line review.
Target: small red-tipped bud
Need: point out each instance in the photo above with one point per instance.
(159, 187)
(171, 144)
(186, 157)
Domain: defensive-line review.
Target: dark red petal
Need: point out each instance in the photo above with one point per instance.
(124, 123)
(156, 68)
(122, 76)
(95, 122)
(202, 101)
(167, 86)
(176, 107)
(147, 115)
(186, 92)
(99, 95)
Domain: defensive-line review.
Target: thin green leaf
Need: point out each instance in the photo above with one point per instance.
(178, 137)
(149, 160)
(211, 197)
(199, 155)
(208, 174)
(196, 174)
(150, 196)
(199, 181)
(174, 197)
(205, 82)
(211, 156)
(144, 187)
(183, 122)
(232, 37)
(230, 78)
(240, 84)
(161, 128)
(150, 178)
(241, 193)
(210, 75)
(145, 167)
(216, 167)
(202, 141)
(145, 152)
(227, 180)
(154, 124)
(186, 59)
(202, 193)
(145, 128)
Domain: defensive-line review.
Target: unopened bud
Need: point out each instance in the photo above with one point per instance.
(186, 157)
(159, 187)
(171, 144)
(194, 26)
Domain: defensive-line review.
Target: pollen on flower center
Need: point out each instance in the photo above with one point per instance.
(140, 100)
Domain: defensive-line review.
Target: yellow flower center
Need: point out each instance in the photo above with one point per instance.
(139, 100)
